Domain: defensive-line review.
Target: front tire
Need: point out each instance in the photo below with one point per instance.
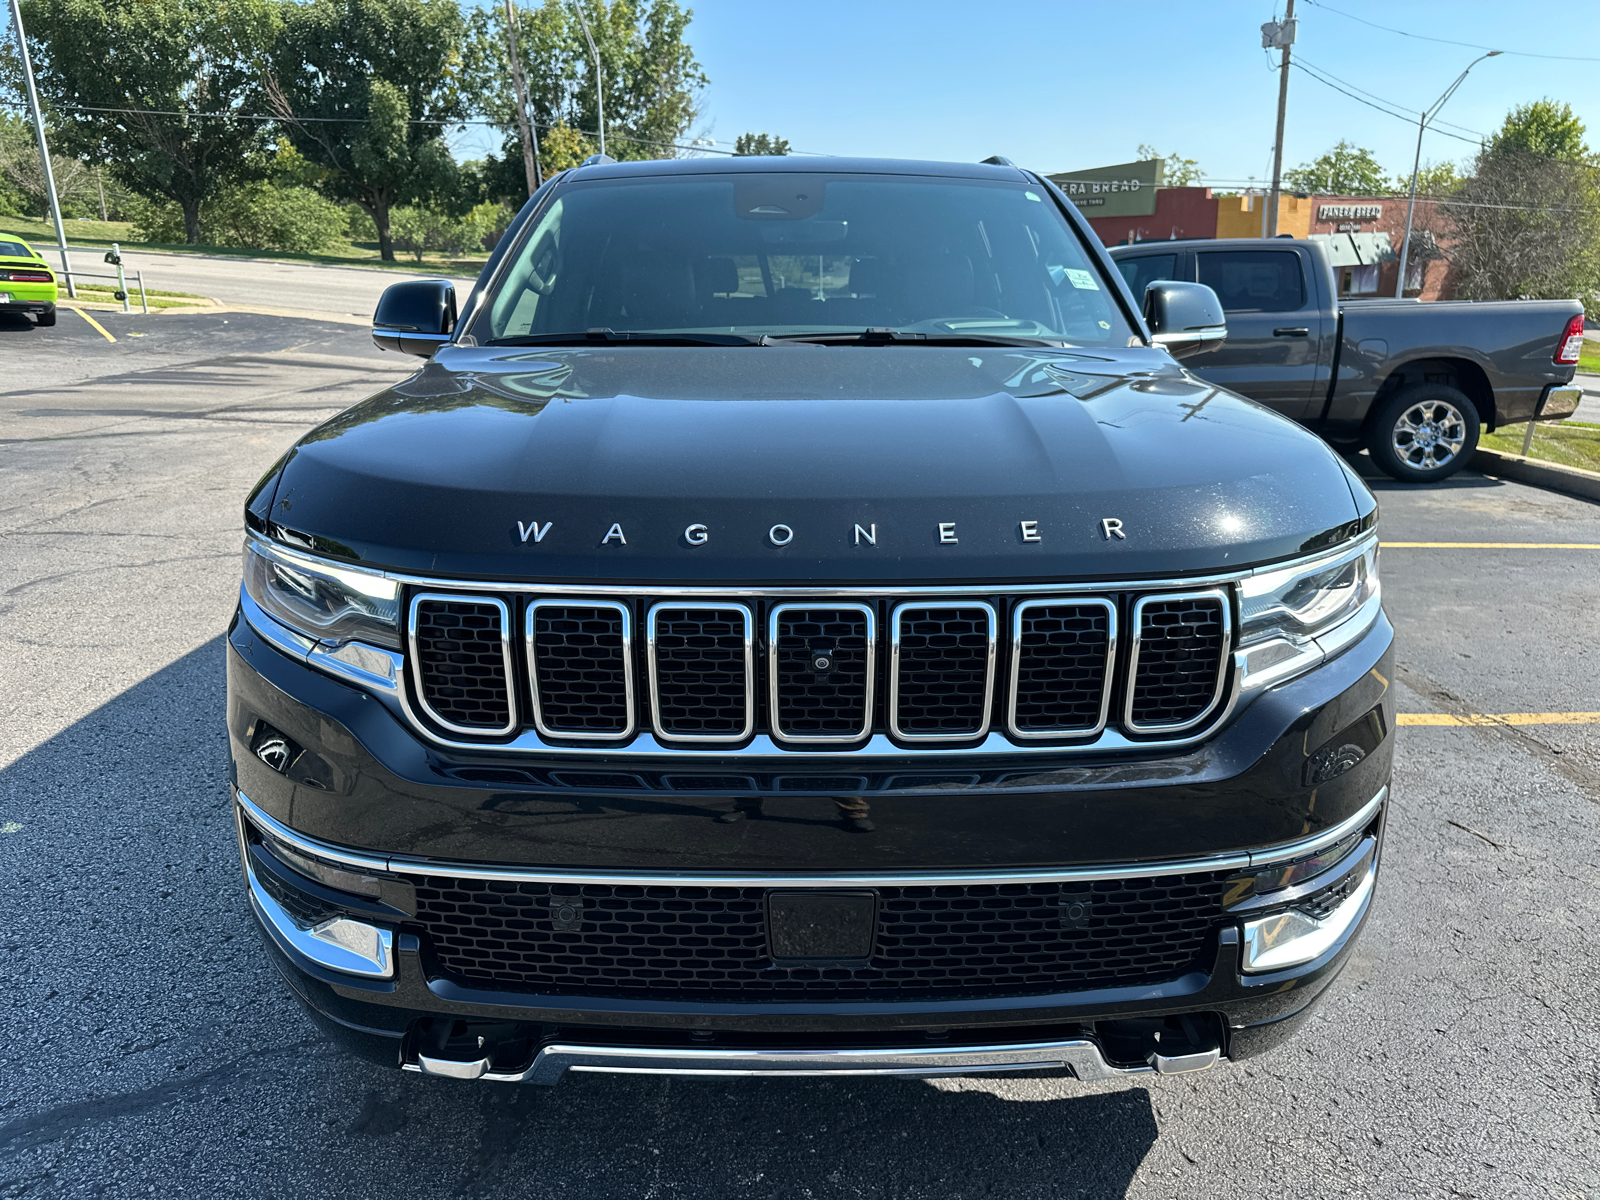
(1424, 433)
(46, 318)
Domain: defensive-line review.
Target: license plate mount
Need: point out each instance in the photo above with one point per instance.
(809, 928)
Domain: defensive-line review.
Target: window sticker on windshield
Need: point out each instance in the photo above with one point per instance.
(1033, 197)
(1082, 279)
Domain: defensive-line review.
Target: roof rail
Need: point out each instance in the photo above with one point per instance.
(998, 160)
(595, 160)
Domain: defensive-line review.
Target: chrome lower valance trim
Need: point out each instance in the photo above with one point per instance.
(1081, 1056)
(395, 864)
(341, 944)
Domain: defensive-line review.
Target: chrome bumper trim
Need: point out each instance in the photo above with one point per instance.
(340, 944)
(1292, 939)
(1083, 1058)
(399, 864)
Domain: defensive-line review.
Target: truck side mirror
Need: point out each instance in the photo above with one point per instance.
(1184, 318)
(415, 317)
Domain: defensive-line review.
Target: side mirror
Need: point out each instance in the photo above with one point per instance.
(415, 317)
(1185, 318)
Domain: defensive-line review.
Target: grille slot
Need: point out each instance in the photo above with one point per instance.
(932, 941)
(701, 672)
(1176, 672)
(581, 662)
(831, 705)
(1062, 653)
(461, 662)
(941, 673)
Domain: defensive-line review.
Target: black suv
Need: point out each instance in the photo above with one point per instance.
(802, 619)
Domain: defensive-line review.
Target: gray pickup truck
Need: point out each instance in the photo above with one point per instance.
(1413, 383)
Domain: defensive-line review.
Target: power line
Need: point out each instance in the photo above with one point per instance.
(1422, 37)
(1435, 123)
(1402, 115)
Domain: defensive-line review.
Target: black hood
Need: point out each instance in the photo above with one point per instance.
(639, 464)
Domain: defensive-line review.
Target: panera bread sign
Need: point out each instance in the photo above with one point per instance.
(1126, 190)
(1349, 212)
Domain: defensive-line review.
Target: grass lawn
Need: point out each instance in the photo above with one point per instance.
(345, 254)
(1589, 358)
(1570, 443)
(104, 294)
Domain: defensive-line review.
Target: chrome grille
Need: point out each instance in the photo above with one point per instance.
(1061, 657)
(813, 671)
(461, 660)
(820, 672)
(1180, 643)
(580, 660)
(701, 672)
(942, 673)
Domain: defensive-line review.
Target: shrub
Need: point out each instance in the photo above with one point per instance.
(420, 230)
(258, 216)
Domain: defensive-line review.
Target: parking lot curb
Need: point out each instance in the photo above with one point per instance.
(1557, 478)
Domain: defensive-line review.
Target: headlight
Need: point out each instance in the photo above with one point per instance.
(1293, 618)
(325, 601)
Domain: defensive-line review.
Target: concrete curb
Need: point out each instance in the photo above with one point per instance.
(1557, 478)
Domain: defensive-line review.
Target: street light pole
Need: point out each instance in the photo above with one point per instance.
(1416, 167)
(599, 82)
(44, 149)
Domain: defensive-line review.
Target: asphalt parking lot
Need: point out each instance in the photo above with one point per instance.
(149, 1048)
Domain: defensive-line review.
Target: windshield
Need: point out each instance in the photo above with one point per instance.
(786, 254)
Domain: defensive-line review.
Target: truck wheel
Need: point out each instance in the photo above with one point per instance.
(1423, 433)
(46, 318)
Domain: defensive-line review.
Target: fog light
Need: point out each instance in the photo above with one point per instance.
(1292, 937)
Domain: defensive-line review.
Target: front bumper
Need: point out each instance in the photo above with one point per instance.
(361, 794)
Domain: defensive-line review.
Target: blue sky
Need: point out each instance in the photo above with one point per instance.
(1064, 85)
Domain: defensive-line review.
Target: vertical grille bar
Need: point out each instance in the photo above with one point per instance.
(941, 670)
(1177, 669)
(461, 662)
(580, 666)
(1063, 653)
(831, 705)
(702, 672)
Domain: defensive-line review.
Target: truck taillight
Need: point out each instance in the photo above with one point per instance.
(1571, 343)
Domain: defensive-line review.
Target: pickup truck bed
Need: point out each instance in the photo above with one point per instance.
(1356, 371)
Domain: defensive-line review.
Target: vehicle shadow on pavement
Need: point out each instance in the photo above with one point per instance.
(16, 323)
(170, 1032)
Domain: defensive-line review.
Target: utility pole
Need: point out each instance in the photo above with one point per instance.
(1279, 35)
(599, 79)
(530, 144)
(44, 149)
(1416, 167)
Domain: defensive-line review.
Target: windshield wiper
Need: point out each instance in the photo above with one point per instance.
(592, 337)
(902, 337)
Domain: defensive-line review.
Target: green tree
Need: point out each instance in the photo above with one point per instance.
(760, 143)
(188, 69)
(364, 90)
(1544, 128)
(1433, 179)
(1176, 171)
(652, 81)
(1526, 223)
(1346, 170)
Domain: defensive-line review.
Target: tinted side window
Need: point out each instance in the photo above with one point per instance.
(1254, 280)
(1145, 270)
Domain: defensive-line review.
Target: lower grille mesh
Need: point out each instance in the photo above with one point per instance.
(957, 940)
(1181, 643)
(461, 666)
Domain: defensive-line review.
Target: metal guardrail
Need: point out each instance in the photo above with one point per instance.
(122, 288)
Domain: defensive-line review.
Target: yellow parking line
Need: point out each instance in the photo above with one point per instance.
(1566, 718)
(1491, 545)
(96, 324)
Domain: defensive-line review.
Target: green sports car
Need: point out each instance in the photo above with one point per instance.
(27, 284)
